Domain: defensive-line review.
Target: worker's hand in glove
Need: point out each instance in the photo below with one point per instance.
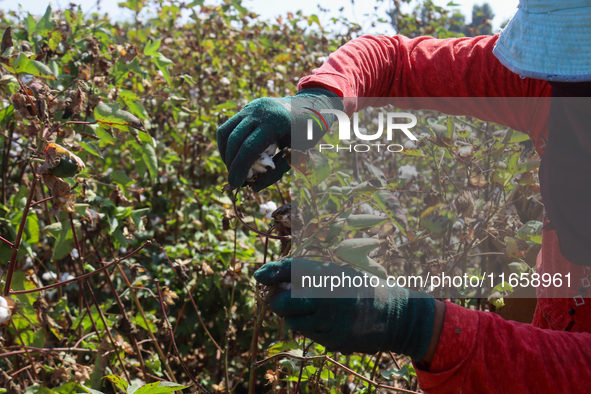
(245, 137)
(373, 318)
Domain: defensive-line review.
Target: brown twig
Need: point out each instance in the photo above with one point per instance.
(252, 228)
(176, 350)
(41, 201)
(19, 237)
(190, 297)
(7, 242)
(98, 306)
(84, 276)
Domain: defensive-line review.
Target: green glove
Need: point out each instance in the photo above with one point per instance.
(374, 318)
(267, 121)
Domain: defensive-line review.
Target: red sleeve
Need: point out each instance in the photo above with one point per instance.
(479, 352)
(426, 69)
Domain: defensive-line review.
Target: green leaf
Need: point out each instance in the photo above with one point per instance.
(32, 228)
(531, 231)
(393, 374)
(121, 178)
(105, 137)
(151, 160)
(365, 221)
(502, 178)
(90, 148)
(117, 381)
(313, 165)
(282, 346)
(133, 102)
(161, 61)
(160, 387)
(314, 19)
(354, 251)
(63, 244)
(45, 24)
(23, 65)
(7, 114)
(437, 219)
(450, 127)
(151, 48)
(391, 206)
(230, 104)
(71, 18)
(30, 25)
(110, 115)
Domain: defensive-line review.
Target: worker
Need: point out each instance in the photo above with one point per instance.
(544, 52)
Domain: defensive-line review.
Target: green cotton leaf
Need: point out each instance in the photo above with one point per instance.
(23, 65)
(133, 103)
(282, 346)
(45, 24)
(151, 160)
(230, 104)
(21, 282)
(122, 69)
(113, 223)
(313, 165)
(413, 152)
(121, 178)
(110, 115)
(105, 137)
(55, 39)
(464, 131)
(30, 338)
(450, 127)
(531, 231)
(502, 178)
(326, 374)
(32, 228)
(117, 381)
(307, 374)
(393, 374)
(390, 205)
(63, 244)
(30, 25)
(517, 136)
(54, 228)
(438, 219)
(7, 114)
(162, 62)
(239, 7)
(71, 18)
(159, 388)
(379, 174)
(121, 238)
(151, 48)
(354, 251)
(314, 19)
(365, 221)
(90, 148)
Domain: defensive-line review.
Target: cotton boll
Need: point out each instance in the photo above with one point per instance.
(267, 209)
(264, 161)
(410, 144)
(365, 209)
(3, 302)
(407, 172)
(66, 276)
(49, 276)
(5, 315)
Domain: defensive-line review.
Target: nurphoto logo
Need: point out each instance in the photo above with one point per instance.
(344, 125)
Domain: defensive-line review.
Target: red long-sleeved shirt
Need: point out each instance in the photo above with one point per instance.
(477, 351)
